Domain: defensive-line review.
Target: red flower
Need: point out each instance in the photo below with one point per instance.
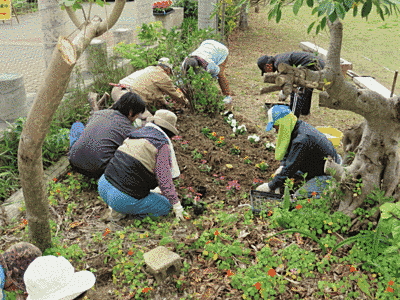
(309, 200)
(130, 252)
(55, 179)
(270, 213)
(107, 231)
(145, 290)
(391, 282)
(216, 232)
(389, 289)
(176, 138)
(24, 221)
(299, 206)
(69, 173)
(208, 242)
(352, 269)
(58, 253)
(257, 285)
(229, 273)
(272, 272)
(314, 194)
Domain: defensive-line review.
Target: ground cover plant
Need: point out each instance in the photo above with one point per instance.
(300, 250)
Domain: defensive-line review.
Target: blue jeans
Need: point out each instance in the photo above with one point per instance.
(76, 130)
(316, 184)
(154, 204)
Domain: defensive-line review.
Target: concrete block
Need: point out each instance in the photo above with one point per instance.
(367, 82)
(12, 97)
(162, 263)
(96, 56)
(173, 19)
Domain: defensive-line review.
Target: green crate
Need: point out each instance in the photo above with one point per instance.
(264, 201)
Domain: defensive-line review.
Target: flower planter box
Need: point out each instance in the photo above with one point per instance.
(171, 19)
(163, 13)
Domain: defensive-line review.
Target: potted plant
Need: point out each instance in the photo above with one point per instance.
(162, 8)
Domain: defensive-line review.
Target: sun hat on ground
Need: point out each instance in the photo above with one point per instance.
(166, 119)
(275, 113)
(53, 278)
(16, 259)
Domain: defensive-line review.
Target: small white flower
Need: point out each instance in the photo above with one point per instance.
(234, 129)
(253, 138)
(242, 127)
(233, 123)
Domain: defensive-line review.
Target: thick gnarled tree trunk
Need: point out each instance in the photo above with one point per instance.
(49, 96)
(376, 161)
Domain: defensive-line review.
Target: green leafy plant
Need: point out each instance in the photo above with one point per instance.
(235, 150)
(263, 166)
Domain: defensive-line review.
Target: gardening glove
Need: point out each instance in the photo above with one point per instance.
(178, 210)
(282, 96)
(278, 170)
(227, 100)
(264, 188)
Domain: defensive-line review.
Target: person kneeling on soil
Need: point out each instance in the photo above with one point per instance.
(92, 147)
(211, 56)
(144, 161)
(300, 99)
(301, 148)
(54, 278)
(13, 264)
(151, 83)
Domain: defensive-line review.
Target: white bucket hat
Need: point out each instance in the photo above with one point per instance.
(166, 62)
(165, 118)
(53, 278)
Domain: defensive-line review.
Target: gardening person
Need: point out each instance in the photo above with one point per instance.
(301, 148)
(54, 278)
(151, 83)
(212, 57)
(144, 161)
(300, 99)
(13, 264)
(93, 145)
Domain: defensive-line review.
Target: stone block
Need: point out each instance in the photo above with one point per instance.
(173, 19)
(162, 263)
(96, 56)
(12, 97)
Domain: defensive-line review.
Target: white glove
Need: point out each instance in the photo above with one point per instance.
(227, 100)
(282, 96)
(278, 170)
(178, 210)
(263, 188)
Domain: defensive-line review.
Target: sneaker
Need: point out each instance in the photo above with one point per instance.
(113, 216)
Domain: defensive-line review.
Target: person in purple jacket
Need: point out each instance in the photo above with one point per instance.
(145, 160)
(92, 146)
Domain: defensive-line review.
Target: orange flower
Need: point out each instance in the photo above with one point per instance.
(214, 133)
(216, 232)
(272, 272)
(55, 179)
(352, 269)
(24, 222)
(314, 194)
(229, 273)
(391, 282)
(389, 289)
(208, 242)
(58, 191)
(145, 290)
(58, 253)
(257, 285)
(309, 200)
(107, 231)
(299, 206)
(130, 252)
(270, 213)
(222, 138)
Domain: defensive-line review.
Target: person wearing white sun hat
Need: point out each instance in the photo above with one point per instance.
(54, 278)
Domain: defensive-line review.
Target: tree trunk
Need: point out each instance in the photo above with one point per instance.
(48, 98)
(243, 20)
(376, 161)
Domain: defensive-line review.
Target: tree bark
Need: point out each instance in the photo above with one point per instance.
(243, 20)
(376, 162)
(48, 98)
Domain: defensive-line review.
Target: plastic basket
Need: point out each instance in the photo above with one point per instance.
(333, 134)
(264, 201)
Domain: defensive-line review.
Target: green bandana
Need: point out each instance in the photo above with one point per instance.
(286, 125)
